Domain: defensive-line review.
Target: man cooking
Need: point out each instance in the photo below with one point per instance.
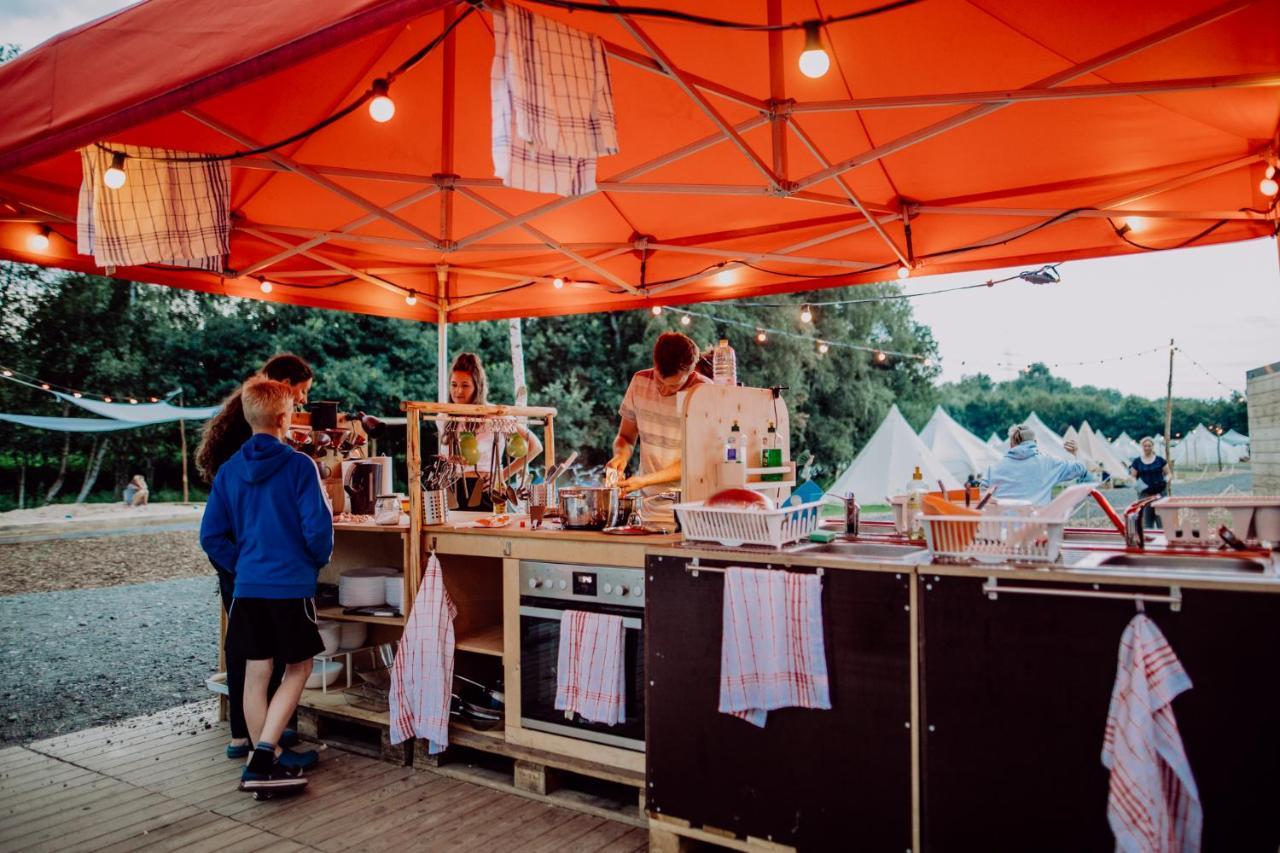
(650, 414)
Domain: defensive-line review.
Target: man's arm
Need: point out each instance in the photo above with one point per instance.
(624, 445)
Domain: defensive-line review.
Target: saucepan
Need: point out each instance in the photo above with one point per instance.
(588, 508)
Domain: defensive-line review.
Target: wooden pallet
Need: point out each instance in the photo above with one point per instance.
(675, 835)
(331, 719)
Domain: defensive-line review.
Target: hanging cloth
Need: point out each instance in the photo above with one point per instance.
(422, 676)
(172, 213)
(552, 104)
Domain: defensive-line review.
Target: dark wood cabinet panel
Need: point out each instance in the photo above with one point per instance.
(1014, 702)
(821, 780)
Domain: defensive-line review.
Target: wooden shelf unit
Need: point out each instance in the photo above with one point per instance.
(482, 641)
(337, 614)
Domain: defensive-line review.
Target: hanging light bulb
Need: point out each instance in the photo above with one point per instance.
(411, 298)
(761, 337)
(1268, 186)
(880, 357)
(806, 315)
(265, 286)
(76, 394)
(657, 310)
(381, 108)
(133, 401)
(814, 61)
(39, 241)
(154, 399)
(557, 282)
(903, 270)
(1136, 224)
(823, 348)
(44, 385)
(928, 362)
(685, 319)
(8, 372)
(106, 399)
(114, 177)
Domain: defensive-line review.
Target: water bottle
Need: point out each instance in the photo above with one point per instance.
(725, 364)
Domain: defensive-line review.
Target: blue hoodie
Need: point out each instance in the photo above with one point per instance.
(1025, 474)
(267, 521)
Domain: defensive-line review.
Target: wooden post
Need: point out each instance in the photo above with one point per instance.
(182, 439)
(1168, 418)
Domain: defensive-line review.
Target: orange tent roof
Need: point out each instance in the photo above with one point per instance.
(1007, 132)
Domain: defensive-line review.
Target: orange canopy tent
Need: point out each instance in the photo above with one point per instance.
(1003, 132)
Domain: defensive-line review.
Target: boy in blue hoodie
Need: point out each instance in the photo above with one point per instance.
(269, 524)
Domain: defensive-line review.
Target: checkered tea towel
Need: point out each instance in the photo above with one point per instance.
(1153, 805)
(422, 677)
(173, 213)
(552, 103)
(772, 652)
(591, 677)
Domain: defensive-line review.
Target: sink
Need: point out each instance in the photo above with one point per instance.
(877, 550)
(1182, 562)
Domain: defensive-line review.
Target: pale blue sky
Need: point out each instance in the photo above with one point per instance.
(1221, 303)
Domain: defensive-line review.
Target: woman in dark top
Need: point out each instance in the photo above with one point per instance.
(1152, 473)
(223, 435)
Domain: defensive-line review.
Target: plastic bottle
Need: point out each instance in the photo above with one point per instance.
(771, 453)
(915, 504)
(724, 364)
(733, 445)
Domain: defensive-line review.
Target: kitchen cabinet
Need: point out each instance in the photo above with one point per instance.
(1014, 697)
(820, 780)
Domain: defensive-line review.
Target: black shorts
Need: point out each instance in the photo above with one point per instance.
(283, 629)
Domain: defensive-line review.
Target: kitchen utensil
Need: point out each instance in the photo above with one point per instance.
(1230, 539)
(324, 414)
(386, 510)
(557, 470)
(589, 508)
(435, 506)
(630, 510)
(362, 484)
(988, 496)
(394, 588)
(364, 587)
(630, 530)
(494, 695)
(324, 673)
(373, 427)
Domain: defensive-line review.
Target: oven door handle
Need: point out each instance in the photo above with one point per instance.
(628, 622)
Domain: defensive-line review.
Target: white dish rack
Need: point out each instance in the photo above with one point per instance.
(737, 526)
(994, 538)
(1195, 519)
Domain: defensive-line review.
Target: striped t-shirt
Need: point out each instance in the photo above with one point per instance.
(657, 419)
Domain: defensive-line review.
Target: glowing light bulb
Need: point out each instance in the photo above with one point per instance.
(39, 241)
(928, 362)
(265, 286)
(381, 108)
(557, 282)
(657, 310)
(44, 385)
(880, 357)
(903, 270)
(761, 337)
(806, 315)
(411, 298)
(8, 373)
(1268, 186)
(814, 61)
(685, 319)
(106, 399)
(132, 400)
(154, 399)
(1270, 173)
(76, 394)
(823, 348)
(115, 177)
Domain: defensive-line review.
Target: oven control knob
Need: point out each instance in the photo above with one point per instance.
(562, 584)
(608, 588)
(622, 590)
(638, 591)
(534, 583)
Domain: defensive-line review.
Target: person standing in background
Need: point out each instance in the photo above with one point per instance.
(1152, 473)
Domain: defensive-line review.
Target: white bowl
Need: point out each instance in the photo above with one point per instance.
(324, 673)
(330, 634)
(394, 588)
(353, 635)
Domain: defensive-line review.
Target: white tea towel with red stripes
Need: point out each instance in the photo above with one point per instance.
(591, 678)
(167, 212)
(1153, 806)
(772, 652)
(552, 104)
(422, 677)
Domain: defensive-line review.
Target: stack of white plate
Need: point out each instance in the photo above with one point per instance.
(364, 587)
(395, 591)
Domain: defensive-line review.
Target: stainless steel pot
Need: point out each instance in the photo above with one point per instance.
(588, 508)
(630, 506)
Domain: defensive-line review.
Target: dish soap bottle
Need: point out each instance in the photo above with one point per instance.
(915, 488)
(724, 364)
(733, 445)
(771, 453)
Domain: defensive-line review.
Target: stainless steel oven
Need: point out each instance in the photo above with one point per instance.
(549, 589)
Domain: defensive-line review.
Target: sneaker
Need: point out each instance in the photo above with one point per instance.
(301, 760)
(288, 738)
(238, 750)
(279, 779)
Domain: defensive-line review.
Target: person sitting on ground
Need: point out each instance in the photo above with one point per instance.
(267, 523)
(136, 492)
(1025, 474)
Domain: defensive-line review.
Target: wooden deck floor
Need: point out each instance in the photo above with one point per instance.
(162, 782)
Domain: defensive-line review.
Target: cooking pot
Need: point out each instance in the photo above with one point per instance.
(588, 508)
(629, 507)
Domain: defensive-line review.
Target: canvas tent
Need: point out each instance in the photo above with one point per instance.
(1098, 453)
(736, 174)
(1071, 435)
(1233, 437)
(1126, 448)
(887, 461)
(1046, 439)
(1201, 447)
(998, 444)
(962, 452)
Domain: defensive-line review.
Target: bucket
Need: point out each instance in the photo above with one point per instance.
(435, 506)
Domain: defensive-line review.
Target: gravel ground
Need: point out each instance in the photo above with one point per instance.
(74, 659)
(65, 564)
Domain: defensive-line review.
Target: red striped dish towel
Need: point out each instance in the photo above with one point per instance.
(591, 678)
(552, 104)
(422, 677)
(772, 652)
(1153, 806)
(173, 213)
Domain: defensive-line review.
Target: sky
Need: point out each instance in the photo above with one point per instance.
(1221, 304)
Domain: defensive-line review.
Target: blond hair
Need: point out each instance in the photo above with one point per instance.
(264, 401)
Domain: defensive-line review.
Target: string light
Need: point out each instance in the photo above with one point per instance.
(903, 270)
(685, 319)
(30, 381)
(823, 348)
(806, 315)
(133, 401)
(1268, 186)
(657, 310)
(1134, 224)
(761, 337)
(44, 385)
(106, 399)
(411, 298)
(154, 399)
(783, 333)
(39, 241)
(381, 108)
(265, 286)
(76, 394)
(814, 61)
(8, 373)
(928, 362)
(557, 282)
(880, 357)
(115, 177)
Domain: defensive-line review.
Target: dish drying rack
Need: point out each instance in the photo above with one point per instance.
(734, 526)
(1194, 520)
(994, 538)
